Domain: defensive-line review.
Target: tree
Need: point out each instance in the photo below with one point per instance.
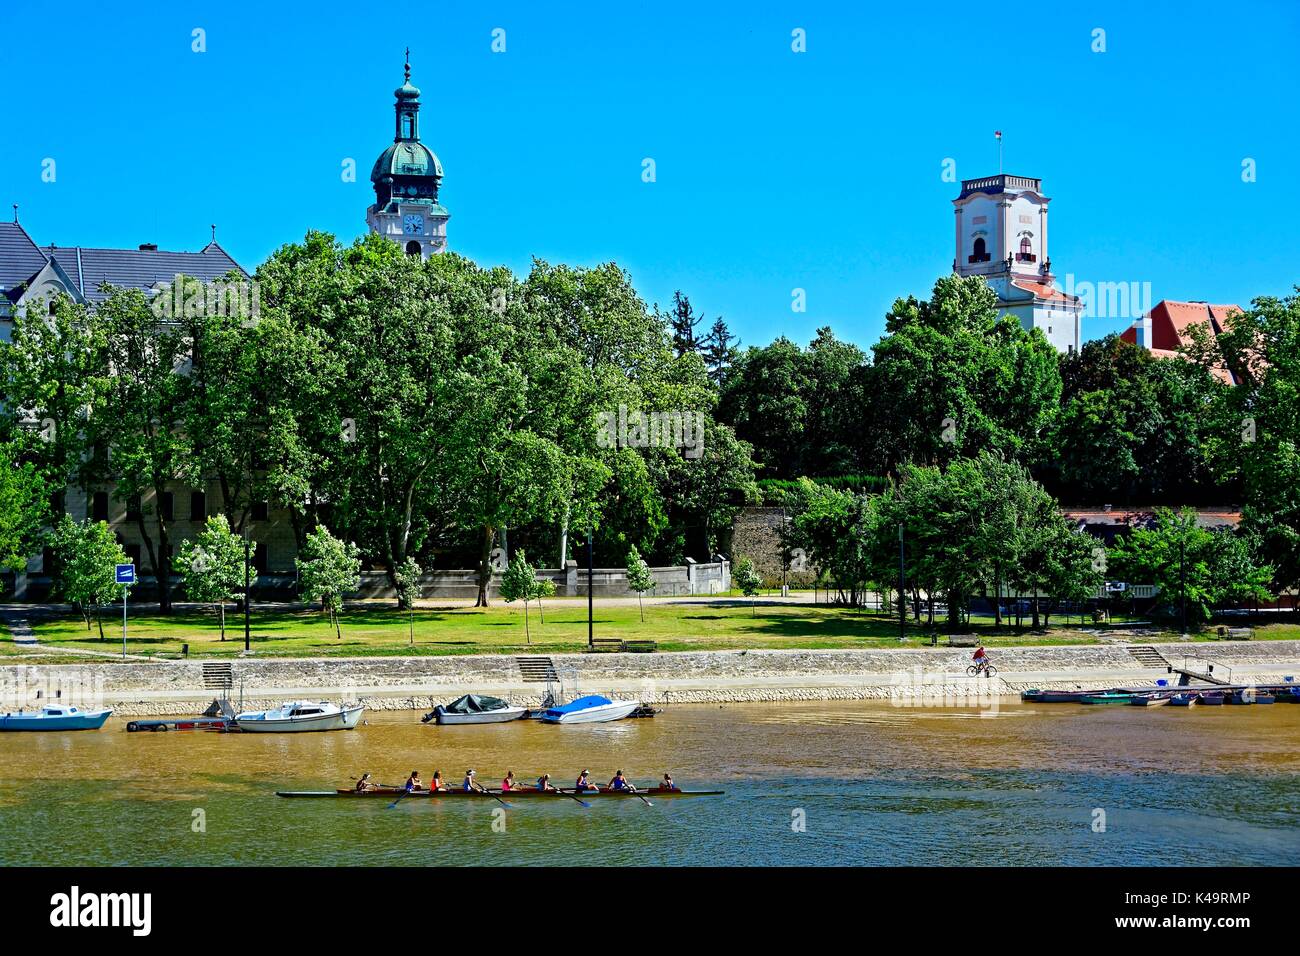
(683, 321)
(212, 566)
(407, 580)
(720, 351)
(24, 508)
(328, 568)
(639, 578)
(746, 578)
(137, 426)
(519, 583)
(952, 376)
(85, 558)
(1193, 566)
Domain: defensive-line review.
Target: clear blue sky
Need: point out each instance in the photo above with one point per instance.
(775, 170)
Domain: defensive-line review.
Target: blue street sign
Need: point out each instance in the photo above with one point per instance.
(126, 574)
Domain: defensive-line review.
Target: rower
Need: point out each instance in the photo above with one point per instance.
(470, 784)
(544, 784)
(437, 782)
(413, 781)
(365, 783)
(667, 783)
(620, 782)
(584, 782)
(508, 782)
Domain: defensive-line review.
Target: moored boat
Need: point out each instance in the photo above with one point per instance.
(1211, 698)
(473, 709)
(392, 792)
(1034, 695)
(1264, 697)
(592, 709)
(1288, 695)
(1149, 700)
(1183, 700)
(299, 716)
(1108, 697)
(55, 717)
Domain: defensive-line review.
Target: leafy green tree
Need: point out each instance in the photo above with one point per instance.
(519, 583)
(1191, 565)
(408, 583)
(85, 558)
(211, 567)
(951, 377)
(24, 509)
(747, 579)
(328, 568)
(137, 425)
(639, 578)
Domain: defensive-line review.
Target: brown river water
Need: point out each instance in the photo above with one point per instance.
(818, 783)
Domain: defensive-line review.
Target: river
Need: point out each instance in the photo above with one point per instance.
(818, 783)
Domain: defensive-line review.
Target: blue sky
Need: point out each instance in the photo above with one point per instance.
(775, 170)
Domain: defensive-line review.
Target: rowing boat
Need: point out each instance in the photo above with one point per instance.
(391, 792)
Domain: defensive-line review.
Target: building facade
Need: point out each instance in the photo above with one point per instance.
(1001, 235)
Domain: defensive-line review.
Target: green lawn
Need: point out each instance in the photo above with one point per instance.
(678, 626)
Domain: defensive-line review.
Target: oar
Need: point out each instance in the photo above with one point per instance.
(399, 799)
(643, 799)
(497, 799)
(575, 796)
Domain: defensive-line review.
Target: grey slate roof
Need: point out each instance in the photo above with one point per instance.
(139, 268)
(21, 259)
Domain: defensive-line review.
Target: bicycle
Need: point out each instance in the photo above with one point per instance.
(974, 669)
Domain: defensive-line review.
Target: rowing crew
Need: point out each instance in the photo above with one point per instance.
(583, 784)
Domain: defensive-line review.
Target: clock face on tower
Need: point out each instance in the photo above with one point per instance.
(413, 224)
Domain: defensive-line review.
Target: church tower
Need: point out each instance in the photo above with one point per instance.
(406, 177)
(1002, 236)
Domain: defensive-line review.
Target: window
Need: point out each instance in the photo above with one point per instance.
(259, 558)
(406, 126)
(1026, 253)
(198, 506)
(53, 306)
(261, 510)
(979, 251)
(133, 508)
(167, 505)
(47, 560)
(412, 248)
(99, 506)
(132, 554)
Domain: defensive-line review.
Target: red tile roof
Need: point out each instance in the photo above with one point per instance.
(1171, 323)
(1043, 290)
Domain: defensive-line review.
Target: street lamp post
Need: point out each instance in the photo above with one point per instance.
(247, 597)
(591, 590)
(902, 588)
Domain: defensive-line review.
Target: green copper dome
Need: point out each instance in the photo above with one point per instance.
(406, 158)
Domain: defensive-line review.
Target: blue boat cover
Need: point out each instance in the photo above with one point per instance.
(582, 703)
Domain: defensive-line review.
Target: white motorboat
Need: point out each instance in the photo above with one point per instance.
(474, 709)
(55, 717)
(300, 716)
(592, 709)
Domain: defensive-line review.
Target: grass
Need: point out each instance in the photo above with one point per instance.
(371, 630)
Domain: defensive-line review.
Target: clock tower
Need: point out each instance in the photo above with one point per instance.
(406, 177)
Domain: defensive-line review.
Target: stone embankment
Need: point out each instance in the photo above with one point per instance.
(396, 683)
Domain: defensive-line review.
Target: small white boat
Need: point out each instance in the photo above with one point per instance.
(592, 709)
(300, 716)
(473, 709)
(55, 717)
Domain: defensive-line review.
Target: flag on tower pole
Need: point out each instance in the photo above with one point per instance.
(997, 134)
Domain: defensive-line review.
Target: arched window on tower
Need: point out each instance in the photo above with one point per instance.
(413, 248)
(1026, 253)
(979, 252)
(406, 126)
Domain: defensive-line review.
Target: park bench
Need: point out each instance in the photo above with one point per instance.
(1236, 633)
(640, 647)
(963, 640)
(605, 645)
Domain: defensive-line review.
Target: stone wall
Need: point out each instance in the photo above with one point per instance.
(383, 683)
(756, 534)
